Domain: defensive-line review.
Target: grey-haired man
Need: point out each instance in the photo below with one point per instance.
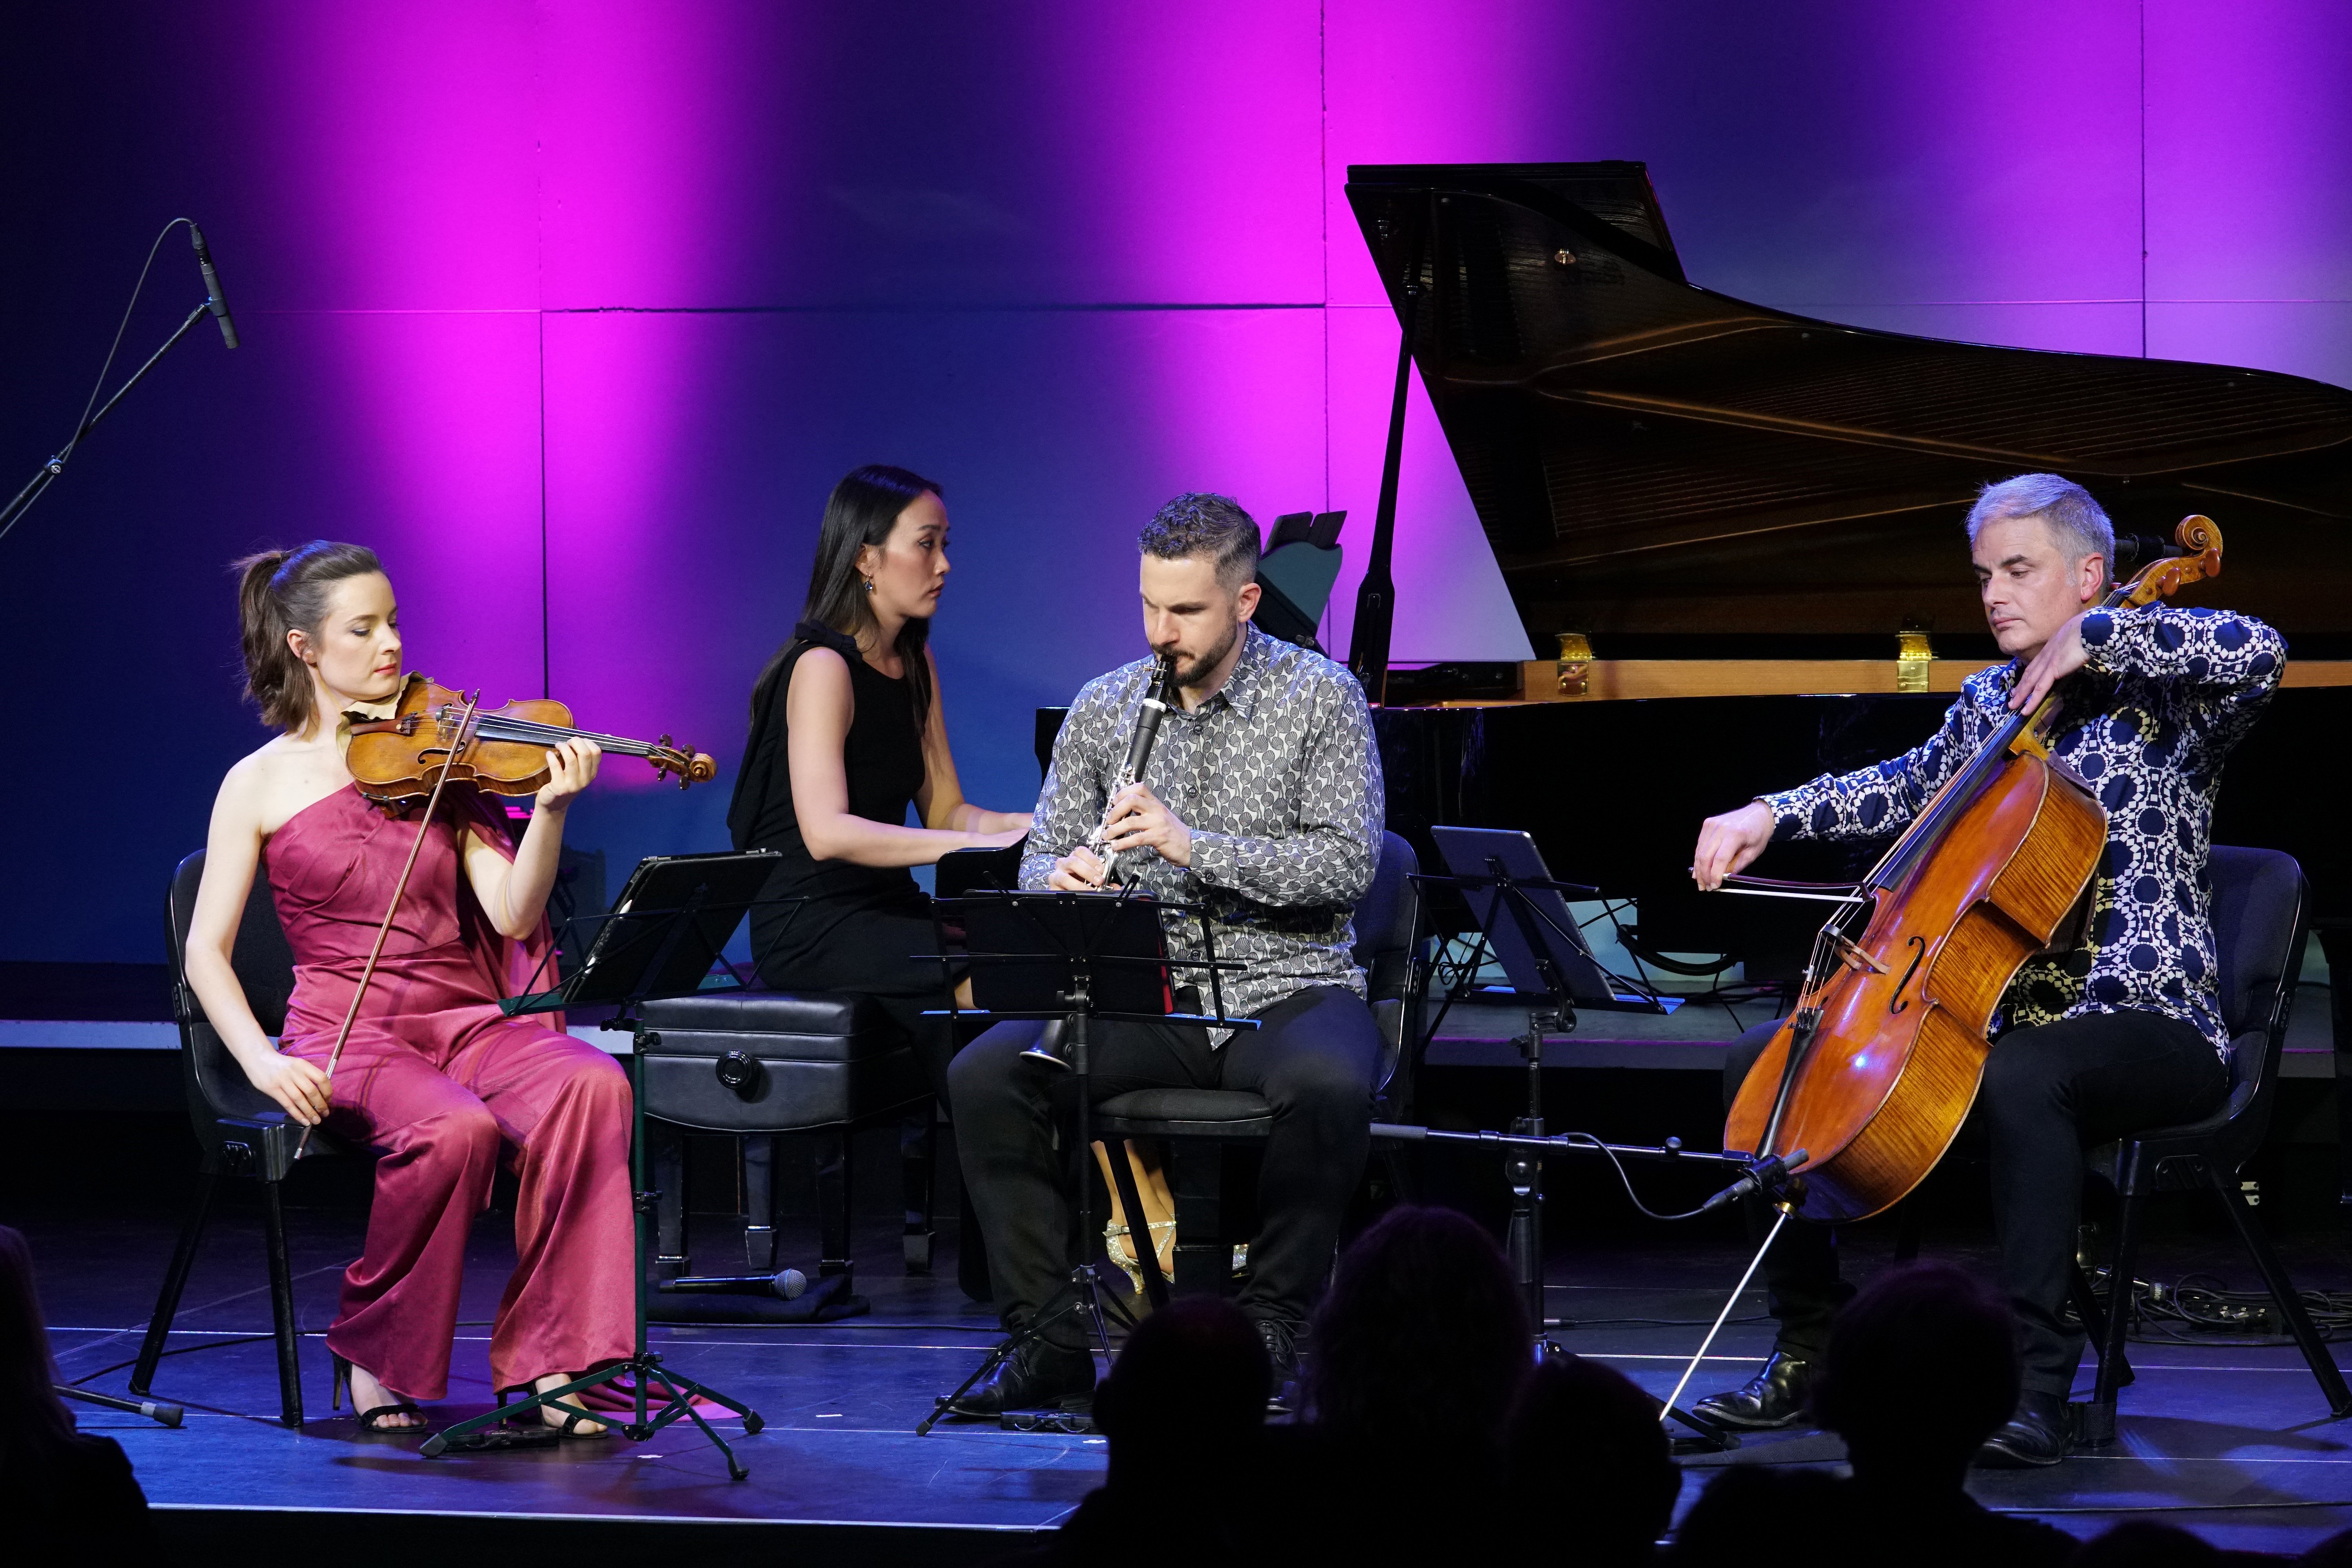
(2123, 1034)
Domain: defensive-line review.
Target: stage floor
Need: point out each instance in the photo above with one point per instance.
(2232, 1441)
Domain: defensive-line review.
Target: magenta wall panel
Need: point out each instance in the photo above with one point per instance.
(576, 308)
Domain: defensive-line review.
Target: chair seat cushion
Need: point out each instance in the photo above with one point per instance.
(2141, 1163)
(1195, 1112)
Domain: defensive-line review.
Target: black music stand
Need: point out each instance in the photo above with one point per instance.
(1075, 957)
(671, 923)
(660, 939)
(1523, 916)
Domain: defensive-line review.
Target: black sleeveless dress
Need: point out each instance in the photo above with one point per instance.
(861, 922)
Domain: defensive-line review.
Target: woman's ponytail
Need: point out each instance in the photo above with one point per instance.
(281, 591)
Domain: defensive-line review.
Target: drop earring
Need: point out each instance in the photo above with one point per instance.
(870, 585)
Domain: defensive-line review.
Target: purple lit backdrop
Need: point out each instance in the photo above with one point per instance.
(575, 311)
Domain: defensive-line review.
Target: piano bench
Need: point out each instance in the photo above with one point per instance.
(761, 1065)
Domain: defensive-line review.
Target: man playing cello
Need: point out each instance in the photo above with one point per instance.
(2123, 1034)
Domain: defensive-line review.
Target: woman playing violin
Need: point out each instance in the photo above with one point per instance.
(433, 1076)
(847, 733)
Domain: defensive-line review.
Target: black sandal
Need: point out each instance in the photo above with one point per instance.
(372, 1420)
(542, 1430)
(569, 1426)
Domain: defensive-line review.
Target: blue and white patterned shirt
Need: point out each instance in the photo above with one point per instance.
(2165, 694)
(1278, 779)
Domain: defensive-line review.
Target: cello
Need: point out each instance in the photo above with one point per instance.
(1866, 1082)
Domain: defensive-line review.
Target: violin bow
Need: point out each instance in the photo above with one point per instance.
(463, 737)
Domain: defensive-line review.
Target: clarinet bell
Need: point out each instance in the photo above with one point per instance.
(1049, 1047)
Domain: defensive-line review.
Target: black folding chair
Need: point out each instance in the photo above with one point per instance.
(1388, 924)
(242, 1130)
(2258, 900)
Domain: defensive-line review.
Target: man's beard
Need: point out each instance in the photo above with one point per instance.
(1193, 674)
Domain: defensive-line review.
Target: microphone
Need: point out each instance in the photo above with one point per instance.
(783, 1287)
(214, 297)
(1765, 1174)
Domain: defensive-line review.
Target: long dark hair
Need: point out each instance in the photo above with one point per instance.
(861, 509)
(280, 591)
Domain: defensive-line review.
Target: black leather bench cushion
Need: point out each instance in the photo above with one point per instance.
(766, 1011)
(822, 1059)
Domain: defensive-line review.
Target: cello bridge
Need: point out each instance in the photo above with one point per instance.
(1852, 957)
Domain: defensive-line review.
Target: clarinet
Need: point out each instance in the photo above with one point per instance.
(1156, 698)
(1049, 1046)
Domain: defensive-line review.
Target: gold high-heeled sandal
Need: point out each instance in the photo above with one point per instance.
(1125, 1257)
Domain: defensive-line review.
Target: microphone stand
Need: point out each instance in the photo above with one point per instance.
(46, 474)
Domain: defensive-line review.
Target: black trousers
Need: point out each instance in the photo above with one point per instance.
(871, 948)
(1312, 1059)
(2049, 1093)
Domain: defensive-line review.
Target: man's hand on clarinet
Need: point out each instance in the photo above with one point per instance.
(294, 1084)
(1137, 819)
(1727, 844)
(1079, 871)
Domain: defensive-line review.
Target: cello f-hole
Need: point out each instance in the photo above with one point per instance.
(1899, 1002)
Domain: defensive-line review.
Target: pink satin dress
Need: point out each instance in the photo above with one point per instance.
(443, 1086)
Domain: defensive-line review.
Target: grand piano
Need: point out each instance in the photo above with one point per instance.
(1738, 533)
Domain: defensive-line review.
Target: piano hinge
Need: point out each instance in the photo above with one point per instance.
(1912, 659)
(1575, 663)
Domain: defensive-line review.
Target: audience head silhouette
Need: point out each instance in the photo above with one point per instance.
(1589, 1462)
(1925, 1326)
(34, 1421)
(1187, 1396)
(1421, 1336)
(1761, 1516)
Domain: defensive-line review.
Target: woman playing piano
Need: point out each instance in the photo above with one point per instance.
(847, 733)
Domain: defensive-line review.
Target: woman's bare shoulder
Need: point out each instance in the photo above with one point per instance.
(270, 785)
(824, 662)
(822, 675)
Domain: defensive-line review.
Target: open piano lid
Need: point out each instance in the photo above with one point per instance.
(1662, 467)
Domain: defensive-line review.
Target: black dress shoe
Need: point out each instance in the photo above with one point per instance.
(1280, 1338)
(1773, 1398)
(2039, 1433)
(1038, 1376)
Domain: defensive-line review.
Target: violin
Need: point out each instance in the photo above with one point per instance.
(1866, 1082)
(434, 731)
(437, 736)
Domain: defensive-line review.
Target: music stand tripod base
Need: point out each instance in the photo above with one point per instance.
(666, 947)
(1077, 957)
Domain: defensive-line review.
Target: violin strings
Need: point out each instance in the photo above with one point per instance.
(501, 729)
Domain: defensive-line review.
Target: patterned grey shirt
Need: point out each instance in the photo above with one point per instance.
(2165, 694)
(1278, 779)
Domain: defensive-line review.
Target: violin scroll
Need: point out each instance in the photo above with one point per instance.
(692, 767)
(2161, 578)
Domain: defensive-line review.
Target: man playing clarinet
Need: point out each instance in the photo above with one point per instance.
(1262, 802)
(2121, 1035)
